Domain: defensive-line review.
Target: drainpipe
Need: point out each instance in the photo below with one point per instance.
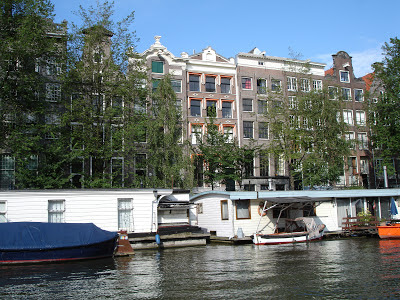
(385, 177)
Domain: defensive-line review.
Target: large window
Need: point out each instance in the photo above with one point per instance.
(293, 103)
(56, 210)
(3, 211)
(210, 84)
(346, 94)
(264, 164)
(243, 209)
(261, 86)
(7, 169)
(247, 104)
(194, 83)
(358, 95)
(176, 85)
(292, 84)
(248, 129)
(211, 108)
(226, 109)
(275, 85)
(224, 210)
(348, 116)
(344, 76)
(141, 164)
(195, 107)
(117, 171)
(263, 130)
(262, 107)
(157, 67)
(246, 83)
(362, 140)
(228, 133)
(317, 85)
(125, 219)
(333, 92)
(53, 92)
(360, 118)
(197, 134)
(225, 85)
(349, 136)
(305, 85)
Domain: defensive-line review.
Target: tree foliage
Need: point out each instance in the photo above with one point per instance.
(384, 118)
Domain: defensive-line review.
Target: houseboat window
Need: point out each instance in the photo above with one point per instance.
(56, 210)
(224, 210)
(3, 211)
(243, 209)
(309, 210)
(124, 213)
(276, 212)
(199, 208)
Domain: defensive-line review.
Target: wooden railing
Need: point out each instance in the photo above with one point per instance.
(352, 224)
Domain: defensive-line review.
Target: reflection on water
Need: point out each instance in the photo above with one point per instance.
(345, 268)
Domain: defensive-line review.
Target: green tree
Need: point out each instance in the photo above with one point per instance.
(307, 133)
(31, 50)
(105, 88)
(168, 156)
(385, 114)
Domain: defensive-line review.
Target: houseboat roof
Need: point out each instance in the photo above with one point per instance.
(300, 196)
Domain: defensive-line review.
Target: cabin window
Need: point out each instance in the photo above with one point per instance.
(243, 209)
(56, 211)
(199, 208)
(309, 210)
(3, 211)
(224, 210)
(125, 217)
(277, 211)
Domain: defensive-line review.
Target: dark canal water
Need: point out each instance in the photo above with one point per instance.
(358, 268)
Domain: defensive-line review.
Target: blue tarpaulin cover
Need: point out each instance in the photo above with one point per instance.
(35, 235)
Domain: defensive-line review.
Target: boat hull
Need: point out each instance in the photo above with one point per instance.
(275, 239)
(389, 231)
(93, 251)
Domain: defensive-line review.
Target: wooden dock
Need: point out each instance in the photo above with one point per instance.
(360, 226)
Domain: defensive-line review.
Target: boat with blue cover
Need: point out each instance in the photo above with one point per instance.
(34, 242)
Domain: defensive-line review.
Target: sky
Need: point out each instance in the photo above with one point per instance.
(315, 29)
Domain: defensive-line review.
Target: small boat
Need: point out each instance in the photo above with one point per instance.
(390, 231)
(34, 242)
(312, 232)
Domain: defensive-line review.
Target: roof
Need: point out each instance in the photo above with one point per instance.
(369, 78)
(329, 72)
(299, 196)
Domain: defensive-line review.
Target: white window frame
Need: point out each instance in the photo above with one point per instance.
(243, 106)
(362, 138)
(251, 83)
(305, 85)
(350, 136)
(292, 84)
(228, 133)
(57, 214)
(360, 118)
(355, 95)
(125, 214)
(336, 92)
(180, 85)
(259, 131)
(344, 72)
(53, 92)
(293, 103)
(260, 91)
(196, 132)
(348, 95)
(252, 127)
(317, 84)
(348, 116)
(3, 212)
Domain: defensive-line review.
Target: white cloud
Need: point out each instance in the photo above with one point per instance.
(362, 61)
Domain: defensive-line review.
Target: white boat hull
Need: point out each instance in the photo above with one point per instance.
(284, 238)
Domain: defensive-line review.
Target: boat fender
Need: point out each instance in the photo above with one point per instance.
(158, 240)
(260, 209)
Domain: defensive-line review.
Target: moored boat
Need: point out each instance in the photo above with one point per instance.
(391, 231)
(34, 242)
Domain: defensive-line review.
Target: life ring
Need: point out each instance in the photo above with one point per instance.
(260, 209)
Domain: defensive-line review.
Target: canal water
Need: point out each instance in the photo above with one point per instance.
(356, 268)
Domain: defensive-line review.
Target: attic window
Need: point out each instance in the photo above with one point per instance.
(344, 76)
(157, 67)
(260, 63)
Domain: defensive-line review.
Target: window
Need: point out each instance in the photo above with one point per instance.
(125, 217)
(263, 130)
(261, 86)
(155, 83)
(292, 84)
(194, 83)
(53, 92)
(249, 165)
(247, 104)
(279, 165)
(348, 116)
(243, 209)
(275, 85)
(32, 162)
(352, 165)
(349, 136)
(195, 108)
(117, 171)
(249, 187)
(3, 211)
(228, 133)
(226, 109)
(117, 106)
(362, 141)
(247, 129)
(211, 108)
(197, 131)
(224, 210)
(293, 103)
(176, 85)
(210, 84)
(246, 83)
(358, 95)
(77, 135)
(264, 164)
(225, 85)
(7, 171)
(360, 118)
(52, 67)
(317, 85)
(364, 165)
(198, 163)
(305, 85)
(344, 76)
(56, 209)
(346, 94)
(199, 208)
(157, 67)
(140, 164)
(333, 92)
(262, 107)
